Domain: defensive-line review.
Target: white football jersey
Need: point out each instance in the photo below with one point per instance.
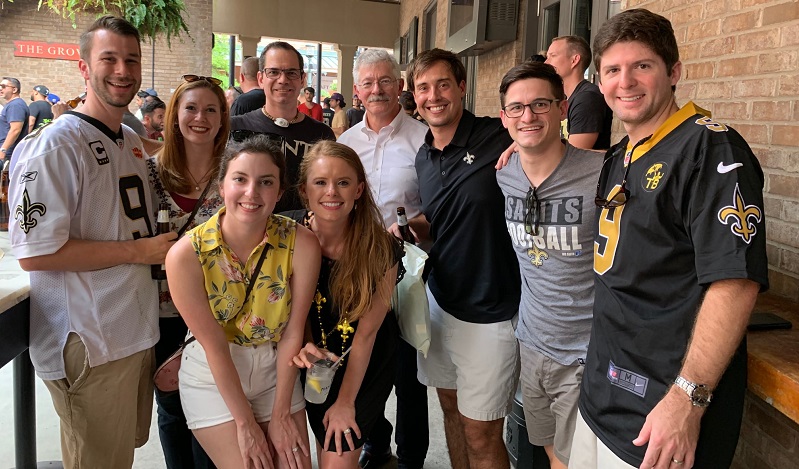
(76, 179)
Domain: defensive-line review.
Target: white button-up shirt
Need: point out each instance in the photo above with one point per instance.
(388, 157)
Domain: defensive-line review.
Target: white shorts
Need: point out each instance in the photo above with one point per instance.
(480, 361)
(588, 451)
(202, 403)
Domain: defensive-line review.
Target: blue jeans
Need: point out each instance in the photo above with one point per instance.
(181, 449)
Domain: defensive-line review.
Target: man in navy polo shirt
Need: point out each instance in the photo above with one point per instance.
(474, 285)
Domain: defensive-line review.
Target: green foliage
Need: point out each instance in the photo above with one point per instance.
(151, 17)
(220, 62)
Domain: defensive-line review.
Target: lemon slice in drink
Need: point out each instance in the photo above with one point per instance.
(315, 384)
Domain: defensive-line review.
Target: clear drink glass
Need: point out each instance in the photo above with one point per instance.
(318, 379)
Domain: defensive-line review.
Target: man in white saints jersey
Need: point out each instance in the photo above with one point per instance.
(83, 229)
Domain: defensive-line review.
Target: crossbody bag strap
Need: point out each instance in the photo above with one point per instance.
(250, 284)
(196, 209)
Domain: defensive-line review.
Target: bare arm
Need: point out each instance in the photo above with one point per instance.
(672, 428)
(13, 133)
(187, 287)
(341, 414)
(584, 141)
(80, 255)
(31, 121)
(305, 267)
(504, 158)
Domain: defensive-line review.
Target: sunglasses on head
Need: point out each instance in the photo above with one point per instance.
(193, 78)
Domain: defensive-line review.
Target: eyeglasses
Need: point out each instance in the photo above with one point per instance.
(539, 106)
(623, 195)
(6, 86)
(618, 199)
(193, 78)
(291, 73)
(532, 207)
(382, 83)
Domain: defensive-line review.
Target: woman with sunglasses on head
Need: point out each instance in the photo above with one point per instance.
(351, 306)
(243, 281)
(183, 176)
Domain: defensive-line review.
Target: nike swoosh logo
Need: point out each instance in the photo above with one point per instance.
(726, 168)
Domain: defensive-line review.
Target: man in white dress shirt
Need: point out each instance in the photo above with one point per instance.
(387, 140)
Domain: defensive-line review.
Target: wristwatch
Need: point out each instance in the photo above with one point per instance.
(699, 394)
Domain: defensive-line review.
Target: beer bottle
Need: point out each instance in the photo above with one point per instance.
(402, 224)
(4, 209)
(161, 227)
(73, 103)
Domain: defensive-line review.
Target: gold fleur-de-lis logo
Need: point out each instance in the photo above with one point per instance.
(24, 213)
(345, 329)
(740, 215)
(537, 256)
(469, 158)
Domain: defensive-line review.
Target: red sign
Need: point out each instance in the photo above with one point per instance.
(46, 50)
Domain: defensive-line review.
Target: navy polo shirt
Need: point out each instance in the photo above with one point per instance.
(475, 274)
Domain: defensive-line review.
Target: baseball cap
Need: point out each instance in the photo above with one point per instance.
(147, 92)
(42, 90)
(53, 98)
(337, 96)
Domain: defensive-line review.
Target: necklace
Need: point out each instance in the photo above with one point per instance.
(343, 326)
(279, 121)
(195, 181)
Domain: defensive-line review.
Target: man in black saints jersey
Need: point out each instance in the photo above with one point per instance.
(679, 259)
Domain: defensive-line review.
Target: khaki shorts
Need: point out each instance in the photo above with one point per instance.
(257, 369)
(588, 451)
(104, 411)
(480, 361)
(550, 392)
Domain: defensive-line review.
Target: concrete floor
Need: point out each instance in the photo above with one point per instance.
(149, 456)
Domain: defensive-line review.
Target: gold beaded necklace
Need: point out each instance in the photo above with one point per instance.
(343, 325)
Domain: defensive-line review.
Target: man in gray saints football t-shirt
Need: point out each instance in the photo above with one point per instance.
(549, 189)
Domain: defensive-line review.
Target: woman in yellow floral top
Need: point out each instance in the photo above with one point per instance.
(237, 386)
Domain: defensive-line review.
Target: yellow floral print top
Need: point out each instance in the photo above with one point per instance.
(267, 311)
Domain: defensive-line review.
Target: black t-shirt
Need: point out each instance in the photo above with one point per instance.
(694, 216)
(475, 274)
(295, 141)
(354, 116)
(42, 111)
(327, 116)
(588, 113)
(249, 101)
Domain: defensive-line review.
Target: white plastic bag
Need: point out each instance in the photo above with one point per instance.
(410, 301)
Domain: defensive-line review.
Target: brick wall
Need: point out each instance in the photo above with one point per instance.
(491, 65)
(741, 61)
(768, 439)
(21, 21)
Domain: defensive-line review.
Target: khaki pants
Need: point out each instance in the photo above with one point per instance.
(104, 411)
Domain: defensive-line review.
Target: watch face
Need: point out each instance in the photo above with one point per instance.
(701, 396)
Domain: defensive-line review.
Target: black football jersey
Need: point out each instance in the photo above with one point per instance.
(694, 215)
